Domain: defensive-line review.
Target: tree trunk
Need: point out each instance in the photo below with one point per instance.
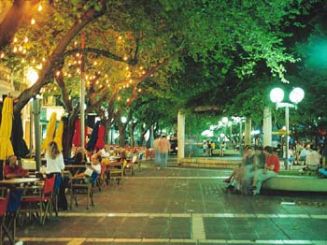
(122, 132)
(55, 57)
(142, 136)
(131, 131)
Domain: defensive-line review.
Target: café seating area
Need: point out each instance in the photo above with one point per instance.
(34, 198)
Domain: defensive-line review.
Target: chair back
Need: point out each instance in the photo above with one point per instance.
(49, 185)
(4, 200)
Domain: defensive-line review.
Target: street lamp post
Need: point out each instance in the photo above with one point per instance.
(32, 77)
(294, 97)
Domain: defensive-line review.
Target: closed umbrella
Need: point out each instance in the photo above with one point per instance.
(50, 131)
(18, 143)
(94, 136)
(59, 133)
(101, 134)
(6, 149)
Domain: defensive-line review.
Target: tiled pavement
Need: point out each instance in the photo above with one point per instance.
(185, 206)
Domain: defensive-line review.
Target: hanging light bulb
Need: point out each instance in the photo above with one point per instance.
(25, 39)
(40, 8)
(33, 21)
(15, 40)
(2, 55)
(125, 58)
(14, 49)
(139, 90)
(57, 73)
(20, 48)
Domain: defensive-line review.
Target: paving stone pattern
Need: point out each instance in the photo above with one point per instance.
(156, 207)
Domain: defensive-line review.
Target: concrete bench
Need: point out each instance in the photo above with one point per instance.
(296, 183)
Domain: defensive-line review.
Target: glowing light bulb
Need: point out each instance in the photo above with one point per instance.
(14, 49)
(20, 48)
(2, 55)
(125, 58)
(40, 8)
(15, 40)
(33, 21)
(139, 90)
(25, 39)
(118, 98)
(57, 73)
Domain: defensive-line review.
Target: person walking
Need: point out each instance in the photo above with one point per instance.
(156, 152)
(163, 148)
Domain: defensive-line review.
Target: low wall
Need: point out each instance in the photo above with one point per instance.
(209, 162)
(296, 183)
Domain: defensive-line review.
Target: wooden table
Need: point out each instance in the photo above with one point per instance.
(17, 181)
(10, 229)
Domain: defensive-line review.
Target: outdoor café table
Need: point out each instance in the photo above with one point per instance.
(12, 184)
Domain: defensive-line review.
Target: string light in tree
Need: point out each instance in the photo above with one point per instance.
(40, 7)
(25, 39)
(2, 55)
(33, 21)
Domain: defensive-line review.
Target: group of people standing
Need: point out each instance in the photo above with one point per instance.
(210, 146)
(257, 166)
(161, 147)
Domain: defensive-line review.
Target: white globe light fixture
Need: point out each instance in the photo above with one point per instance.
(224, 120)
(296, 95)
(32, 76)
(123, 119)
(276, 95)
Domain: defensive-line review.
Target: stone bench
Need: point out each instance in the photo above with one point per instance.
(296, 183)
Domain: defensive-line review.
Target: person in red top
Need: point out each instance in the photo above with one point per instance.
(271, 169)
(12, 169)
(272, 160)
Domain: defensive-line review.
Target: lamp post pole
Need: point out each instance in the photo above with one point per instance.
(36, 112)
(287, 122)
(82, 93)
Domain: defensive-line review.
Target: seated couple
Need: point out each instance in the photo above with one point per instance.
(256, 167)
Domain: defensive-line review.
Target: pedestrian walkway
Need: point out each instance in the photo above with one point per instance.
(185, 206)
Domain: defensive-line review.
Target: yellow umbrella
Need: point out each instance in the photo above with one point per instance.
(50, 131)
(5, 129)
(59, 133)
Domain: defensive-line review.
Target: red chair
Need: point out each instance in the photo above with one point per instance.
(40, 200)
(4, 230)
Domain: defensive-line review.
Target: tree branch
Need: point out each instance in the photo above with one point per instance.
(64, 93)
(100, 52)
(56, 56)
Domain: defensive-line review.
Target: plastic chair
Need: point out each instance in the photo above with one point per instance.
(41, 199)
(4, 229)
